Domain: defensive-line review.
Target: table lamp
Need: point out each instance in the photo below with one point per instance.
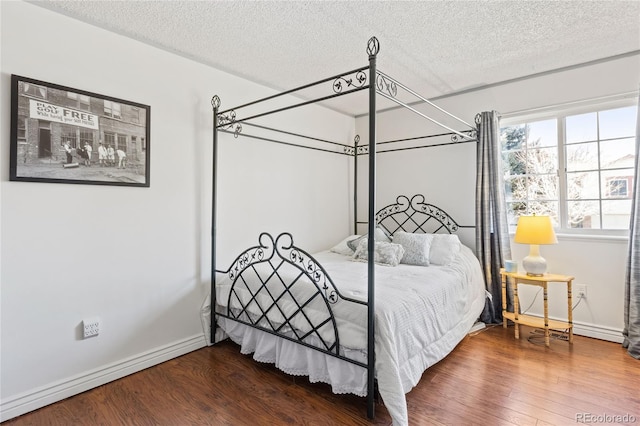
(535, 230)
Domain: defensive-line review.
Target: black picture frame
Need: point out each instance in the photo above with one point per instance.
(61, 134)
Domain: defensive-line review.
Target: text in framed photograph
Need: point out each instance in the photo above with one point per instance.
(65, 135)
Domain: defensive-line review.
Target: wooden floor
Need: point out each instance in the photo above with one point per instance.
(489, 379)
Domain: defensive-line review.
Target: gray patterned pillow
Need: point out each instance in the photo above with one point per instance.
(416, 247)
(385, 253)
(380, 235)
(353, 244)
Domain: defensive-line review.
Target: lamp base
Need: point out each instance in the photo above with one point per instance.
(534, 264)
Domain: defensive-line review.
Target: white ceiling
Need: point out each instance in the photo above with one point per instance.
(434, 47)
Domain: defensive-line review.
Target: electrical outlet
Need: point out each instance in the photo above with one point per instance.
(91, 327)
(581, 291)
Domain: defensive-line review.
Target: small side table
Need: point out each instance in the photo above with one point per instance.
(544, 323)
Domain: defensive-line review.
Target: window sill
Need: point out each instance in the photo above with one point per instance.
(589, 238)
(594, 238)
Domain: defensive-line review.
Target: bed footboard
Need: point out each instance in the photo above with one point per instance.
(281, 289)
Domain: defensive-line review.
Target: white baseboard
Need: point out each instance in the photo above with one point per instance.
(598, 332)
(36, 398)
(592, 330)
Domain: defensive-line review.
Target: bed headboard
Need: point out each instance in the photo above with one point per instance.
(415, 216)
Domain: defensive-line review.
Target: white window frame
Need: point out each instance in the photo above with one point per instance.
(560, 112)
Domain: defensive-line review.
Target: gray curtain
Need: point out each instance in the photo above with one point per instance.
(492, 230)
(631, 330)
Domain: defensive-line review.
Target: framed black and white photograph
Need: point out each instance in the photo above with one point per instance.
(65, 135)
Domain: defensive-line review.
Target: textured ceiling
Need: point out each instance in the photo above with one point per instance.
(434, 47)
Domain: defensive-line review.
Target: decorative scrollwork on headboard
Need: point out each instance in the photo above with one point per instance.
(414, 215)
(402, 204)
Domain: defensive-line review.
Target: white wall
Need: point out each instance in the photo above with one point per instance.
(446, 176)
(138, 258)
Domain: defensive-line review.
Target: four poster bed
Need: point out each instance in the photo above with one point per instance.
(316, 315)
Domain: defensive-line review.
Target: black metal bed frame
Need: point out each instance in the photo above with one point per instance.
(416, 216)
(280, 252)
(280, 258)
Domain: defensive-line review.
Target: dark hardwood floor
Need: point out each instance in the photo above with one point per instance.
(489, 379)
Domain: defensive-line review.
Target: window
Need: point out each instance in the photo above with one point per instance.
(575, 166)
(530, 159)
(134, 148)
(122, 143)
(22, 130)
(86, 137)
(109, 139)
(112, 109)
(81, 101)
(34, 90)
(68, 134)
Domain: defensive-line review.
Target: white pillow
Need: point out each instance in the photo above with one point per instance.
(416, 247)
(385, 253)
(379, 235)
(342, 247)
(386, 233)
(444, 249)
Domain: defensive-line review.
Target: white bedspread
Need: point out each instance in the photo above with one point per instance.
(421, 314)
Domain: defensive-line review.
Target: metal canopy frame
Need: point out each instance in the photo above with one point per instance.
(363, 78)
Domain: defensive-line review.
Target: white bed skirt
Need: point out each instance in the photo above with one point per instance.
(290, 357)
(299, 360)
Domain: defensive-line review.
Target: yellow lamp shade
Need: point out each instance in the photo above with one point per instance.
(535, 230)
